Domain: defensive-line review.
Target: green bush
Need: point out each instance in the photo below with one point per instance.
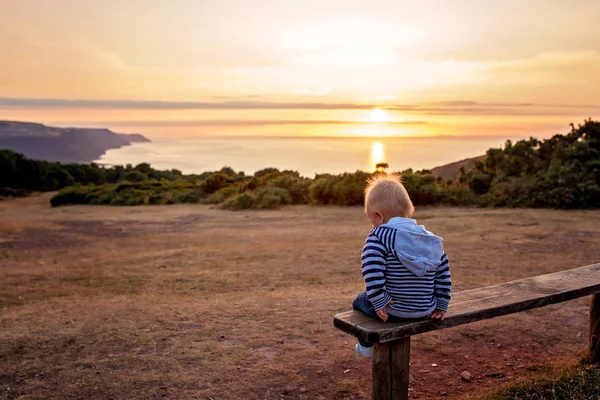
(459, 195)
(266, 198)
(242, 201)
(215, 182)
(135, 176)
(71, 195)
(320, 191)
(346, 189)
(273, 197)
(265, 171)
(189, 197)
(295, 186)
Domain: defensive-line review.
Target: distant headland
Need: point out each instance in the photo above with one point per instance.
(41, 142)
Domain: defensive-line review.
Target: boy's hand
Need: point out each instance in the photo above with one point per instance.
(382, 313)
(438, 314)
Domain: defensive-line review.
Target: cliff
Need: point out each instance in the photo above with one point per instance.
(41, 142)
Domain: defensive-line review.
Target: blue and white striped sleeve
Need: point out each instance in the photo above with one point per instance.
(443, 284)
(373, 271)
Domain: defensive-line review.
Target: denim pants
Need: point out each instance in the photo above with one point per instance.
(364, 305)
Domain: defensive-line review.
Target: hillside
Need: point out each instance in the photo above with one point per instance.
(43, 142)
(452, 171)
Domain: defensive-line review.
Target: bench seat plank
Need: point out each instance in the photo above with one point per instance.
(480, 304)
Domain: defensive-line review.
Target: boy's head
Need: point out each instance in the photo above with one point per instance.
(386, 198)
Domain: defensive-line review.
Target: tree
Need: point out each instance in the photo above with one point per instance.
(381, 167)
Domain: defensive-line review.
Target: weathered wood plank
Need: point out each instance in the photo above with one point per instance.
(381, 372)
(391, 363)
(400, 353)
(595, 329)
(483, 303)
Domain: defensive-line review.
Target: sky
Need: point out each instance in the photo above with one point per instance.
(302, 67)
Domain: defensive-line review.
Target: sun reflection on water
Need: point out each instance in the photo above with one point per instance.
(377, 155)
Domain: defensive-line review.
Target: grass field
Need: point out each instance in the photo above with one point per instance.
(188, 302)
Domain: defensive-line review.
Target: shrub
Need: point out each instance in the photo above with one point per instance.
(215, 182)
(273, 197)
(480, 183)
(346, 189)
(265, 171)
(135, 176)
(458, 195)
(320, 191)
(72, 195)
(268, 197)
(189, 197)
(242, 201)
(296, 187)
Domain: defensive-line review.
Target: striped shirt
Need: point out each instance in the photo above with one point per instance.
(386, 279)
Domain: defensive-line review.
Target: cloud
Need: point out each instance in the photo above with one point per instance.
(247, 123)
(250, 96)
(176, 105)
(317, 92)
(301, 91)
(465, 107)
(231, 56)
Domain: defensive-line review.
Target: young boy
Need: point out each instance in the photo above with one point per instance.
(405, 268)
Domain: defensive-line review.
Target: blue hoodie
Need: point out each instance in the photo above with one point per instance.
(405, 262)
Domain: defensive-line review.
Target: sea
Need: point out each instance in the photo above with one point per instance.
(307, 155)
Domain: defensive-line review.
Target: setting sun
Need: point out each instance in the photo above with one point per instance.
(378, 115)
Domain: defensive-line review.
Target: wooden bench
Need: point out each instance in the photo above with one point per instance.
(391, 355)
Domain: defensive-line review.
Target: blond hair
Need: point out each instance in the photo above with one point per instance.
(386, 194)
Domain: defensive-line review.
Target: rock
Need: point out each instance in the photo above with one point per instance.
(289, 389)
(494, 374)
(466, 376)
(303, 390)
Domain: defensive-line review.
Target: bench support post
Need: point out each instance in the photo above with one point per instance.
(595, 328)
(391, 370)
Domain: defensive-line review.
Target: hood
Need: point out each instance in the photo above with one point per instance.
(415, 247)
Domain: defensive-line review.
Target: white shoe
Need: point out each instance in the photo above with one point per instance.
(365, 351)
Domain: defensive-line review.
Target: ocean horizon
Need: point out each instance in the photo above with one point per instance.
(307, 155)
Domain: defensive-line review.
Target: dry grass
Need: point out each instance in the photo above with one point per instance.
(187, 302)
(567, 382)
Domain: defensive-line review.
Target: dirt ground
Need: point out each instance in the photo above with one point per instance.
(188, 302)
